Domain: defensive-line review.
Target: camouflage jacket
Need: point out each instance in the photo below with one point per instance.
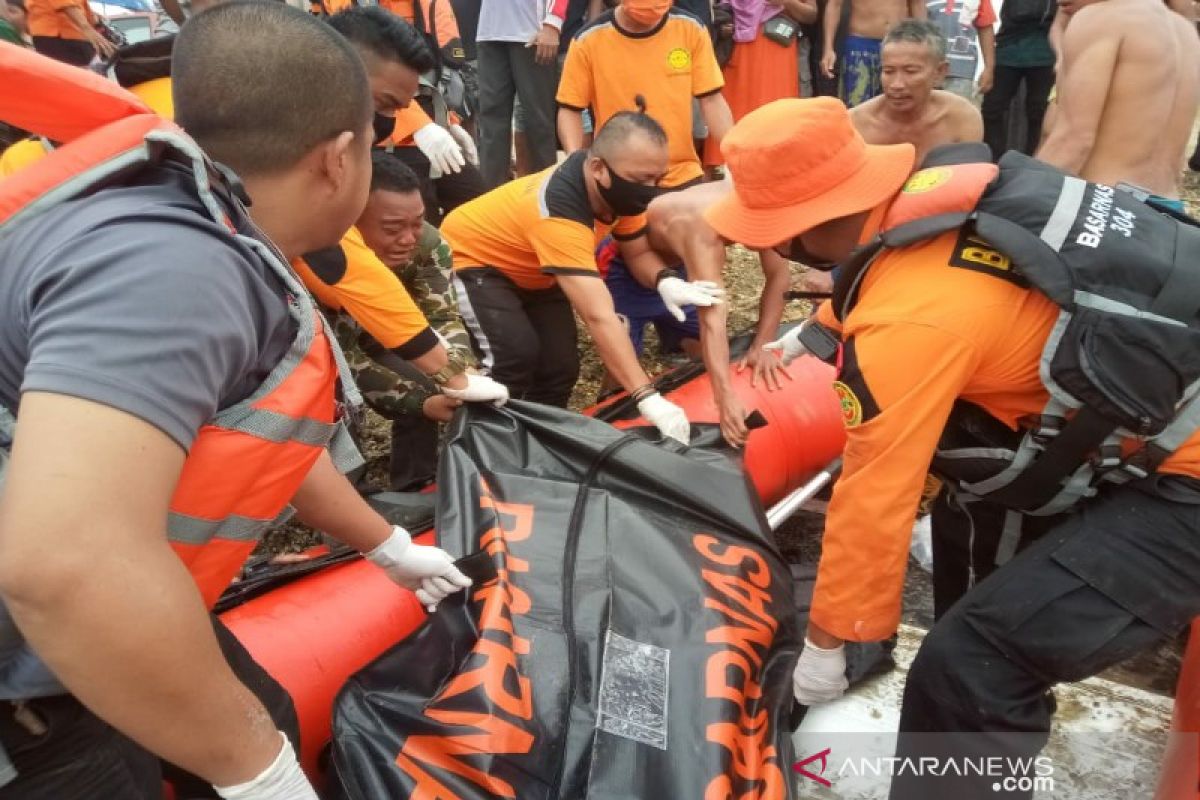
(391, 386)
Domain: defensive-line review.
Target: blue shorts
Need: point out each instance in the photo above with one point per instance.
(642, 307)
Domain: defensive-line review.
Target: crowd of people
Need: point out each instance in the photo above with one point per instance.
(415, 201)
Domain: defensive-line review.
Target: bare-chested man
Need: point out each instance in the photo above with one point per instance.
(1128, 91)
(860, 61)
(910, 108)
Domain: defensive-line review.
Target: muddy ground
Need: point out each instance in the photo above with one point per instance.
(799, 539)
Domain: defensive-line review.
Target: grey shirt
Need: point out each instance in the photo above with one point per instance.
(962, 41)
(134, 298)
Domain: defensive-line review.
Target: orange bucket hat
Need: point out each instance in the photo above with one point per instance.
(798, 163)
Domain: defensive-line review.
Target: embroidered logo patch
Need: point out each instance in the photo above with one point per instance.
(927, 180)
(852, 411)
(679, 59)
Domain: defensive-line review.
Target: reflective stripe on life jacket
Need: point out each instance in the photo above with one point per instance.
(247, 462)
(1119, 365)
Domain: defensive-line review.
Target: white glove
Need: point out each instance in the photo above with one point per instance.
(677, 292)
(466, 143)
(669, 418)
(479, 389)
(439, 147)
(283, 780)
(428, 571)
(820, 674)
(788, 345)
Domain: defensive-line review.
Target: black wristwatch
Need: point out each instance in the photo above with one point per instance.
(455, 366)
(663, 274)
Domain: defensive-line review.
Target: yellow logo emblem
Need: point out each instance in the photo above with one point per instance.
(679, 59)
(927, 180)
(852, 411)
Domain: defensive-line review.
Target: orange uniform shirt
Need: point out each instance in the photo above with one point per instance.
(932, 325)
(49, 18)
(350, 277)
(534, 228)
(607, 67)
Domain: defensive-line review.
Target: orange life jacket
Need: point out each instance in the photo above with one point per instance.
(248, 460)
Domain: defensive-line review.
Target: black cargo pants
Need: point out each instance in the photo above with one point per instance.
(1102, 584)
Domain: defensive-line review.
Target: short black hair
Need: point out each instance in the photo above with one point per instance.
(622, 125)
(390, 174)
(259, 84)
(17, 4)
(381, 33)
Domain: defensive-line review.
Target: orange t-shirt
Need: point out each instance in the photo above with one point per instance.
(534, 228)
(49, 18)
(350, 277)
(933, 324)
(607, 67)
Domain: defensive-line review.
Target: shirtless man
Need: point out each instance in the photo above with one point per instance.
(1128, 91)
(910, 108)
(860, 63)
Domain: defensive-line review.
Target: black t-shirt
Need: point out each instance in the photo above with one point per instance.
(467, 14)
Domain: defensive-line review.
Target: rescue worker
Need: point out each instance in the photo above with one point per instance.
(524, 260)
(934, 321)
(624, 54)
(441, 99)
(349, 276)
(393, 226)
(616, 63)
(378, 37)
(167, 391)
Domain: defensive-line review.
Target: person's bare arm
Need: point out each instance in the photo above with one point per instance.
(1057, 29)
(594, 305)
(968, 122)
(1090, 51)
(717, 116)
(767, 365)
(643, 261)
(676, 226)
(833, 17)
(917, 10)
(594, 9)
(987, 51)
(570, 129)
(328, 502)
(88, 575)
(1184, 8)
(104, 47)
(174, 11)
(802, 11)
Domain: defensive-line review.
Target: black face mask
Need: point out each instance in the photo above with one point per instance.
(384, 127)
(624, 197)
(795, 251)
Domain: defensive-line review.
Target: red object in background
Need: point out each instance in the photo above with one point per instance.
(1180, 777)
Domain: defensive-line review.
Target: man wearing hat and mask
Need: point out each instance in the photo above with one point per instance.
(933, 325)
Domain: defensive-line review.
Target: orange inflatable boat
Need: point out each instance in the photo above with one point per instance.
(312, 634)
